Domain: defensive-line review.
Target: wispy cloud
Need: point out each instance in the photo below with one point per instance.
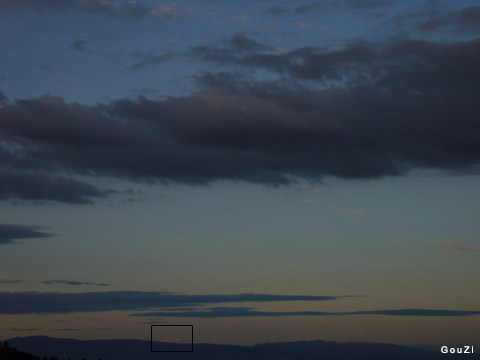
(23, 329)
(10, 233)
(5, 281)
(220, 312)
(460, 247)
(71, 282)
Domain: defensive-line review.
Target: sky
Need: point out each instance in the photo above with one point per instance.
(262, 170)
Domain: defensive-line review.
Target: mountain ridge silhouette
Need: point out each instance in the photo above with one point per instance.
(126, 349)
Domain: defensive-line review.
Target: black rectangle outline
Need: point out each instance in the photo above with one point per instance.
(151, 340)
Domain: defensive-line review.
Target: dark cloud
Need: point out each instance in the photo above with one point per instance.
(10, 233)
(372, 66)
(464, 21)
(71, 282)
(116, 9)
(43, 303)
(220, 312)
(364, 111)
(5, 281)
(309, 63)
(21, 176)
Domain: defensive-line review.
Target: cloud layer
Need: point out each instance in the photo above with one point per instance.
(182, 305)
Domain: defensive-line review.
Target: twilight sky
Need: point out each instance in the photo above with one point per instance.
(264, 170)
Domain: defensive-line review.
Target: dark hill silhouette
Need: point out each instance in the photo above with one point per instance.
(10, 353)
(302, 350)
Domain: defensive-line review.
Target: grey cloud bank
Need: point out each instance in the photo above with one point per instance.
(373, 110)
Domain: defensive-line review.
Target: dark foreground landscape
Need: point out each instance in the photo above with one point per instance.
(64, 349)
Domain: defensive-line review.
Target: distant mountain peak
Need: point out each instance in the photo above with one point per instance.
(174, 340)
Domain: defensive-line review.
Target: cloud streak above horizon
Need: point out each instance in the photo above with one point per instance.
(183, 305)
(71, 282)
(222, 312)
(60, 303)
